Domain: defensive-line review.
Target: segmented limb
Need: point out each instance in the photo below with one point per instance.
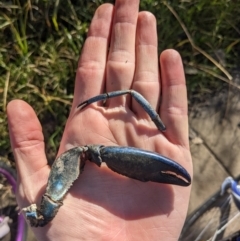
(138, 97)
(129, 161)
(64, 171)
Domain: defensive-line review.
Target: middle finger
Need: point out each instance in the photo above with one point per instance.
(121, 58)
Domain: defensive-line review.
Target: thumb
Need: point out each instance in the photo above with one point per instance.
(27, 143)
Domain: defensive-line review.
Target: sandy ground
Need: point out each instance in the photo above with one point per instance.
(215, 143)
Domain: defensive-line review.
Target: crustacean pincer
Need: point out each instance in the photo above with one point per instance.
(128, 161)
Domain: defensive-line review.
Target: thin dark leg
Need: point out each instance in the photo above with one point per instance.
(138, 97)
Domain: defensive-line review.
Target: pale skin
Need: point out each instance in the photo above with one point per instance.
(120, 52)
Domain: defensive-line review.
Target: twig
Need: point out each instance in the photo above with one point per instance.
(202, 68)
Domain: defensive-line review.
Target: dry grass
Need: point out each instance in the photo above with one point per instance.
(40, 46)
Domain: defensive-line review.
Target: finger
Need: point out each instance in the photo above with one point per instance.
(121, 58)
(26, 138)
(174, 111)
(91, 67)
(146, 78)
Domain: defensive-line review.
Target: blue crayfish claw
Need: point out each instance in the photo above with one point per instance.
(140, 164)
(129, 161)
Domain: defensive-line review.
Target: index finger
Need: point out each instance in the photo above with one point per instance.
(91, 66)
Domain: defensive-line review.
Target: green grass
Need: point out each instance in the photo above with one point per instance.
(40, 42)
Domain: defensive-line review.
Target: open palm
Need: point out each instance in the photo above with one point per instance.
(120, 52)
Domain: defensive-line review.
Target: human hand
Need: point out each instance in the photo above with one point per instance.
(102, 204)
